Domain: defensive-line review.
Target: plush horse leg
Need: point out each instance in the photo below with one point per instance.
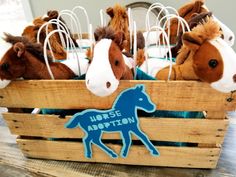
(163, 74)
(126, 143)
(87, 146)
(183, 71)
(99, 143)
(146, 141)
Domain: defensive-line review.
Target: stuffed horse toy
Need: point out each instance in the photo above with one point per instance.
(108, 64)
(53, 14)
(197, 19)
(31, 33)
(31, 30)
(188, 11)
(120, 22)
(24, 59)
(206, 57)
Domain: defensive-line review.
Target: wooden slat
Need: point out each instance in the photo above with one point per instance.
(202, 145)
(216, 115)
(138, 155)
(69, 94)
(212, 115)
(161, 129)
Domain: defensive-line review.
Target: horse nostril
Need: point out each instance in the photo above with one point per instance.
(87, 82)
(108, 84)
(234, 78)
(222, 36)
(230, 38)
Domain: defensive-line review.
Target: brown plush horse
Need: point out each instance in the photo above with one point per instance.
(193, 8)
(108, 64)
(205, 57)
(26, 59)
(120, 22)
(31, 33)
(187, 12)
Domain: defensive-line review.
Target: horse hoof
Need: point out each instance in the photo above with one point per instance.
(88, 156)
(124, 155)
(114, 156)
(155, 153)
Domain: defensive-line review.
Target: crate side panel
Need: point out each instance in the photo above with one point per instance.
(175, 95)
(160, 129)
(138, 155)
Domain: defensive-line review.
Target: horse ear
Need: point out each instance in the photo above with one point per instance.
(140, 87)
(99, 33)
(197, 6)
(110, 12)
(52, 14)
(191, 41)
(96, 35)
(19, 48)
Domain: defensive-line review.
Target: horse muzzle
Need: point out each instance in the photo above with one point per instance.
(102, 87)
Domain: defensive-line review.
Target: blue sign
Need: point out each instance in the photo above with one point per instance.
(121, 118)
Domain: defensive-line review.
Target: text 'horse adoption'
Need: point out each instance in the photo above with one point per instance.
(122, 117)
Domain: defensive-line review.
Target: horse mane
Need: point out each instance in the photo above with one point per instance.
(208, 29)
(104, 32)
(196, 20)
(34, 48)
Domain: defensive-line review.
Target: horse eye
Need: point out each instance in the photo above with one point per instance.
(213, 63)
(116, 62)
(5, 66)
(140, 99)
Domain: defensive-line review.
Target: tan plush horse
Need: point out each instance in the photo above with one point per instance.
(205, 56)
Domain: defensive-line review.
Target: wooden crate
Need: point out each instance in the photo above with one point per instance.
(35, 130)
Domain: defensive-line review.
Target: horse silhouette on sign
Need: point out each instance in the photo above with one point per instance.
(122, 117)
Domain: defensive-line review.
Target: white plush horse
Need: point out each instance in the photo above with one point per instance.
(108, 65)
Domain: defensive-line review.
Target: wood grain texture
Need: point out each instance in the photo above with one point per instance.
(160, 129)
(170, 156)
(69, 94)
(14, 164)
(216, 115)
